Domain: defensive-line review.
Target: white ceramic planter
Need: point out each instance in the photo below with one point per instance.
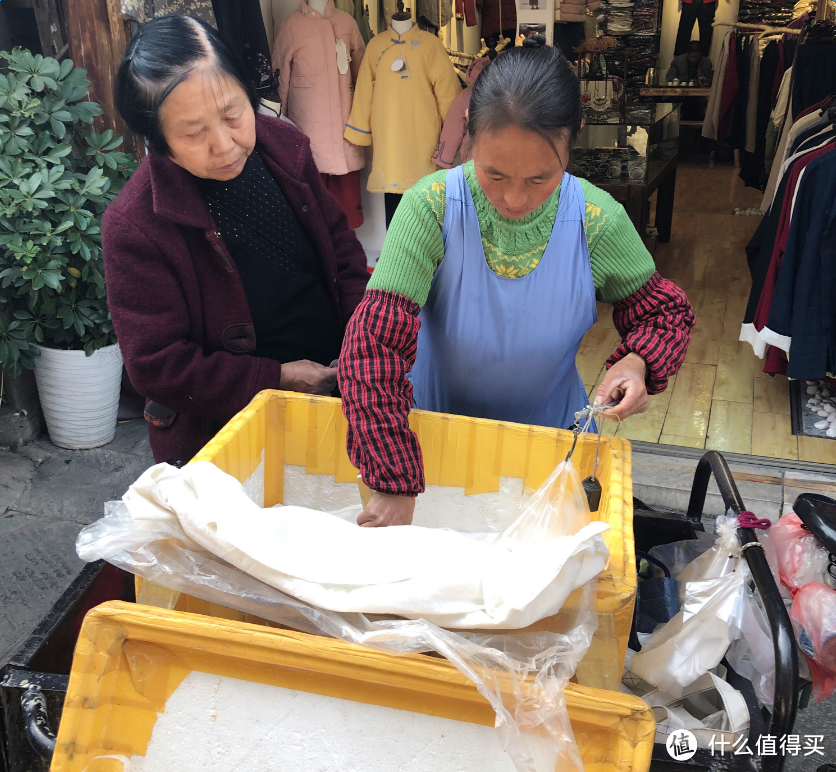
(79, 395)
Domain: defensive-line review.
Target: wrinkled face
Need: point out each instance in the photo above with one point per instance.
(209, 125)
(517, 169)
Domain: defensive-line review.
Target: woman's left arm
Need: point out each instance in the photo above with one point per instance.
(652, 315)
(655, 326)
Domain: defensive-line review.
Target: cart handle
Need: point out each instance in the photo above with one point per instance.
(785, 701)
(33, 705)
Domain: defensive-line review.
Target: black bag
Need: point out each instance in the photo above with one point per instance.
(657, 600)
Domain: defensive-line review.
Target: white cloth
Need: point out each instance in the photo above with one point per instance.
(711, 121)
(448, 578)
(779, 112)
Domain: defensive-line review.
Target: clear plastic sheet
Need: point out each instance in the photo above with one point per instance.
(813, 614)
(557, 508)
(522, 675)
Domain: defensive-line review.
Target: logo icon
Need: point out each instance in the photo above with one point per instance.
(681, 745)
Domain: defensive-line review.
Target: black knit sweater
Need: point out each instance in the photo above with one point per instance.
(281, 271)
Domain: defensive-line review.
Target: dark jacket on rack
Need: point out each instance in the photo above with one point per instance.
(490, 16)
(803, 306)
(177, 300)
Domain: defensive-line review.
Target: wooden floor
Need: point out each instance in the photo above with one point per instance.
(720, 399)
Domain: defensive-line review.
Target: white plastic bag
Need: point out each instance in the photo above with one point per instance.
(696, 639)
(720, 560)
(709, 707)
(522, 674)
(719, 618)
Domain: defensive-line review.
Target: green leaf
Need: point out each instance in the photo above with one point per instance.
(65, 68)
(59, 128)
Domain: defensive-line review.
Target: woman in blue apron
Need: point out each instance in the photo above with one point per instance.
(488, 281)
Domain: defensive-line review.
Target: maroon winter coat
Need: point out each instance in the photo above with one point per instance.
(178, 304)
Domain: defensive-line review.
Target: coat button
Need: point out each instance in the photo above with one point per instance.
(304, 208)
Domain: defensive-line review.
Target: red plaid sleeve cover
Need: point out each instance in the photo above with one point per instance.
(654, 322)
(378, 352)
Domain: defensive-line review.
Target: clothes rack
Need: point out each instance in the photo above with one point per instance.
(761, 28)
(500, 46)
(461, 55)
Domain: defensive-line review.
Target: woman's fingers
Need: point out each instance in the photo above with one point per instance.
(328, 380)
(384, 510)
(624, 384)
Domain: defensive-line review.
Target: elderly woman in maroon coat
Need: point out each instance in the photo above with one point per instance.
(229, 267)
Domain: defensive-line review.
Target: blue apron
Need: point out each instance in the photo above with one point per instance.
(500, 348)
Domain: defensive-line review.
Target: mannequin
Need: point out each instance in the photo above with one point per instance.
(405, 89)
(320, 103)
(401, 24)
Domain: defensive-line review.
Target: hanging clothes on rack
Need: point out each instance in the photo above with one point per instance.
(142, 11)
(711, 122)
(241, 25)
(791, 314)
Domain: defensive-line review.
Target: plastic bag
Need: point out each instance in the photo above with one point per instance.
(557, 508)
(813, 615)
(720, 618)
(720, 560)
(709, 707)
(801, 557)
(677, 555)
(751, 654)
(696, 639)
(522, 674)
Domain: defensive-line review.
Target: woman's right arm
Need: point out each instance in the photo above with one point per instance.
(380, 345)
(152, 326)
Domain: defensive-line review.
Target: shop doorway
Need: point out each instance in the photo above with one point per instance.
(721, 399)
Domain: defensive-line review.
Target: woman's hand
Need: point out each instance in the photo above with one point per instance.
(386, 509)
(308, 377)
(624, 383)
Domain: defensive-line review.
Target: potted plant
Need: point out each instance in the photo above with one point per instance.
(57, 176)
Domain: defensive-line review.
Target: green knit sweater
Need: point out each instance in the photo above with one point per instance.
(414, 248)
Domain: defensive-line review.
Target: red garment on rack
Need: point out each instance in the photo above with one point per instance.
(730, 86)
(775, 362)
(466, 9)
(346, 189)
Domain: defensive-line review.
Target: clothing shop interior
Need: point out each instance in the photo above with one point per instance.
(700, 118)
(713, 122)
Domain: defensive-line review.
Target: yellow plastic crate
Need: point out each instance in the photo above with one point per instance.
(280, 439)
(129, 660)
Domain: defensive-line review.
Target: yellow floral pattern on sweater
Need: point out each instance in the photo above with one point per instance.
(414, 245)
(506, 263)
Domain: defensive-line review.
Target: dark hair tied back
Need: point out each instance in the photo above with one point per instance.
(532, 87)
(162, 54)
(534, 41)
